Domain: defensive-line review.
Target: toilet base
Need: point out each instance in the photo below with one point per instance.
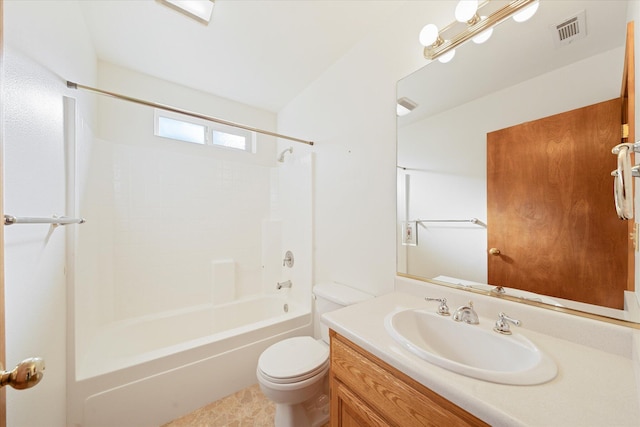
(312, 413)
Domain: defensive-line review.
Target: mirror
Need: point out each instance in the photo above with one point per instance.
(520, 75)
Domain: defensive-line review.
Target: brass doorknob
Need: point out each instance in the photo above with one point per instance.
(28, 373)
(494, 251)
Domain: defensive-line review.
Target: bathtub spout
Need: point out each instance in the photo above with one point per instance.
(286, 284)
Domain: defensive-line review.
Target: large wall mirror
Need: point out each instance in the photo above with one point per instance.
(517, 116)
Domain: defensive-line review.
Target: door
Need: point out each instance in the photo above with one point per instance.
(29, 372)
(550, 207)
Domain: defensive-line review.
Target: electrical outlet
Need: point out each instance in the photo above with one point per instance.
(409, 233)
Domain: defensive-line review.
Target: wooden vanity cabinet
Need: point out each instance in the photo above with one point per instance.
(365, 391)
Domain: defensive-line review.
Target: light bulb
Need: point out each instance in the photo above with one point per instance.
(447, 56)
(428, 35)
(483, 36)
(466, 9)
(526, 13)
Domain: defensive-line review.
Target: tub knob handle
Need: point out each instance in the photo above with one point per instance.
(26, 374)
(288, 259)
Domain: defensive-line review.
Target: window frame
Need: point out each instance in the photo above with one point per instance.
(210, 127)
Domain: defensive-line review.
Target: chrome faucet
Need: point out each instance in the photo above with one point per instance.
(286, 284)
(443, 309)
(502, 324)
(466, 314)
(498, 290)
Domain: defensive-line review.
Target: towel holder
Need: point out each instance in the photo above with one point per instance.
(622, 185)
(55, 221)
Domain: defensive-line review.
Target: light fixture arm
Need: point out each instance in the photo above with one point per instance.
(474, 28)
(474, 20)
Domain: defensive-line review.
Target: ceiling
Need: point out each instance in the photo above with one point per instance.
(258, 52)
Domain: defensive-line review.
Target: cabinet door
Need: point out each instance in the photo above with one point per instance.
(366, 391)
(350, 411)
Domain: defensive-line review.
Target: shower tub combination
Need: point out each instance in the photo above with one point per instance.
(132, 375)
(165, 318)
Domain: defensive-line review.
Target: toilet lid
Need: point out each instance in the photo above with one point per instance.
(293, 358)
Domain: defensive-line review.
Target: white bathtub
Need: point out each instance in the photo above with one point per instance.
(157, 368)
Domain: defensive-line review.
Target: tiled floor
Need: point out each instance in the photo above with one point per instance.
(246, 408)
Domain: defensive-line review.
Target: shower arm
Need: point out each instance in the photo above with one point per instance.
(288, 150)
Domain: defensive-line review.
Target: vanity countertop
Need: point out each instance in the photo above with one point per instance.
(593, 387)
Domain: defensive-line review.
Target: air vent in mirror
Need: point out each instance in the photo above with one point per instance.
(570, 30)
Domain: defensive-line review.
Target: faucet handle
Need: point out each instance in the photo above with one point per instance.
(443, 309)
(502, 324)
(288, 259)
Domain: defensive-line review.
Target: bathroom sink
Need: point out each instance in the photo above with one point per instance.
(472, 350)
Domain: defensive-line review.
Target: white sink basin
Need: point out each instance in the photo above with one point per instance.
(472, 350)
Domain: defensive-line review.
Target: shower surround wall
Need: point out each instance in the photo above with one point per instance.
(167, 230)
(165, 224)
(167, 219)
(179, 238)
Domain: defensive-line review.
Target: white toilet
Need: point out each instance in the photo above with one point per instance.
(293, 372)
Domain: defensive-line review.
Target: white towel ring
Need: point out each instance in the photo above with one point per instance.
(622, 183)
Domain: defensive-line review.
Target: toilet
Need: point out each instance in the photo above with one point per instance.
(293, 373)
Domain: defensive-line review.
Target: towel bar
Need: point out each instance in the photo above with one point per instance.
(63, 220)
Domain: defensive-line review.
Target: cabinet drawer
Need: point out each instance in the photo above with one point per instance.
(399, 399)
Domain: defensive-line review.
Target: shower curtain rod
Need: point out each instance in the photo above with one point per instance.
(73, 85)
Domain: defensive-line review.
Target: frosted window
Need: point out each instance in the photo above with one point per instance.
(199, 131)
(229, 140)
(183, 131)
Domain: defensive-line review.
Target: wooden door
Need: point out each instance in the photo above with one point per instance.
(550, 207)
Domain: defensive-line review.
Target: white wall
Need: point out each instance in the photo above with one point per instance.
(39, 33)
(350, 113)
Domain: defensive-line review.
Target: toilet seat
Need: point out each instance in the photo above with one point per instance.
(293, 360)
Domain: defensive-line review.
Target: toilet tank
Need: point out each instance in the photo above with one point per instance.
(331, 296)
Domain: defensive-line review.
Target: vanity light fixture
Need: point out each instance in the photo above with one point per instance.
(200, 10)
(470, 24)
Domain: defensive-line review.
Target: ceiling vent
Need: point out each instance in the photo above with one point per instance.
(570, 30)
(405, 106)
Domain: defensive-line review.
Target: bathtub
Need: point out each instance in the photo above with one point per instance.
(150, 370)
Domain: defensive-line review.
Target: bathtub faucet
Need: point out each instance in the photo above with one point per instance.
(286, 284)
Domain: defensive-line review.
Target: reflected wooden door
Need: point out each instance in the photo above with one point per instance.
(550, 206)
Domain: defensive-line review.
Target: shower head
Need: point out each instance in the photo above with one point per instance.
(281, 158)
